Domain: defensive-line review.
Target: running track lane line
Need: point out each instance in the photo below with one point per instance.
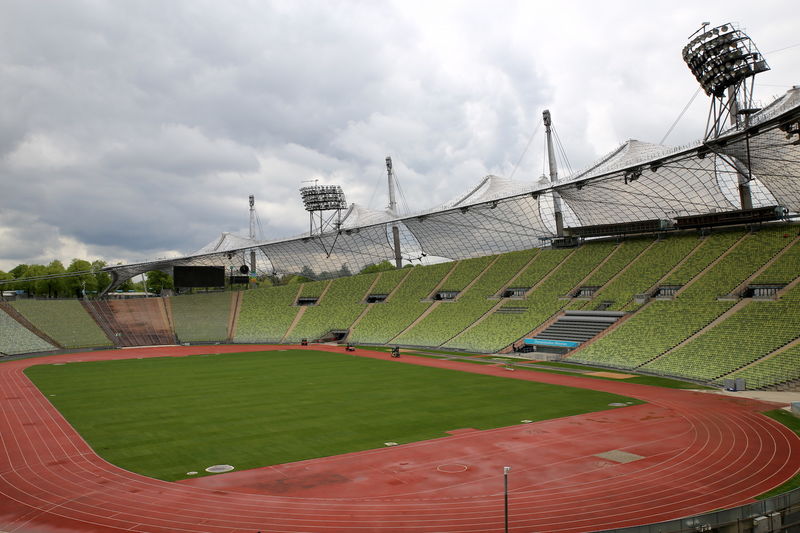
(718, 452)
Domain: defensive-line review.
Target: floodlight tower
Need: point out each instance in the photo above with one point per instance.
(725, 61)
(398, 257)
(327, 202)
(551, 159)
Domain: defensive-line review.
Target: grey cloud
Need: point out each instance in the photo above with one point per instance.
(139, 128)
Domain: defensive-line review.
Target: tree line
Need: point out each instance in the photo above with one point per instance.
(88, 280)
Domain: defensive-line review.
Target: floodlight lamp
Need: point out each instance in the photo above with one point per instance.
(323, 198)
(721, 57)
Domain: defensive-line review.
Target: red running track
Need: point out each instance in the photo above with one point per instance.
(699, 452)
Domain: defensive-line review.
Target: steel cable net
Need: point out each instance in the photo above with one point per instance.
(331, 253)
(483, 229)
(675, 188)
(774, 161)
(231, 260)
(637, 181)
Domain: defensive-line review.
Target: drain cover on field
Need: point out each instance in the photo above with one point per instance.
(218, 469)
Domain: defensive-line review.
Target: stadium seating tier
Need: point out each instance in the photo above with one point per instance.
(66, 321)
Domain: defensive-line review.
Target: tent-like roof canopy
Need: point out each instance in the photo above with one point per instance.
(637, 181)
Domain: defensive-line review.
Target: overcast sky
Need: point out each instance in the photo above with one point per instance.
(136, 130)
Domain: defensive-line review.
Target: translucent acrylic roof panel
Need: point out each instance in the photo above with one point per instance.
(684, 184)
(490, 188)
(507, 225)
(637, 181)
(772, 149)
(231, 259)
(775, 162)
(226, 241)
(328, 253)
(358, 215)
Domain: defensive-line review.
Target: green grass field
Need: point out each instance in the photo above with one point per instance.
(163, 417)
(792, 422)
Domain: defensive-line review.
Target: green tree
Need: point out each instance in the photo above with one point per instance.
(126, 286)
(52, 287)
(31, 287)
(18, 271)
(157, 281)
(291, 279)
(103, 279)
(5, 286)
(81, 284)
(266, 282)
(344, 271)
(377, 267)
(306, 272)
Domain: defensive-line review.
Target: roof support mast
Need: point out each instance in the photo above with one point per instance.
(252, 233)
(398, 256)
(551, 159)
(745, 196)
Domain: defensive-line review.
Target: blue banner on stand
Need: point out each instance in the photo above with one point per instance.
(549, 342)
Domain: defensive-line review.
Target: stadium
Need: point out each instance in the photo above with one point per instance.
(536, 357)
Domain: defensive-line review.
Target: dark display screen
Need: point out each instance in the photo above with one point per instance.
(199, 276)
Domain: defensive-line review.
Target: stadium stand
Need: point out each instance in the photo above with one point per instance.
(785, 268)
(623, 256)
(777, 370)
(339, 306)
(266, 314)
(754, 331)
(645, 340)
(201, 317)
(644, 272)
(133, 322)
(579, 326)
(566, 270)
(653, 330)
(707, 252)
(697, 332)
(389, 280)
(66, 321)
(465, 272)
(314, 289)
(450, 318)
(17, 339)
(386, 320)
